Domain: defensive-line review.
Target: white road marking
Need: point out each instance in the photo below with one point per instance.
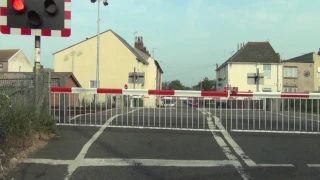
(297, 116)
(280, 132)
(75, 117)
(313, 165)
(161, 128)
(273, 165)
(227, 151)
(48, 161)
(75, 164)
(232, 143)
(136, 162)
(240, 152)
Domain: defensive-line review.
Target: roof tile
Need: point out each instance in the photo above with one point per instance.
(6, 54)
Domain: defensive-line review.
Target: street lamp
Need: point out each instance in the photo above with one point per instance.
(72, 54)
(105, 3)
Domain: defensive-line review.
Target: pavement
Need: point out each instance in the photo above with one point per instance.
(176, 143)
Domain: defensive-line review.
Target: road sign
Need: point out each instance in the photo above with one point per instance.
(256, 78)
(252, 78)
(138, 76)
(36, 18)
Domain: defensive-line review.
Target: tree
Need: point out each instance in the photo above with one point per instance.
(175, 85)
(205, 84)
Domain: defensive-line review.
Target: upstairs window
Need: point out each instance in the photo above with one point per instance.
(290, 72)
(267, 70)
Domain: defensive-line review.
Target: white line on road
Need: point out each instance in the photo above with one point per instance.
(227, 151)
(48, 161)
(75, 164)
(232, 143)
(313, 165)
(280, 132)
(273, 165)
(161, 128)
(239, 151)
(136, 162)
(75, 117)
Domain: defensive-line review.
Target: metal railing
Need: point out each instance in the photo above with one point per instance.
(187, 110)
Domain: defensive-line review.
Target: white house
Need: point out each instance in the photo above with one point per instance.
(238, 70)
(14, 60)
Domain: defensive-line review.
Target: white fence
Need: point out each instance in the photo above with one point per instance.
(188, 110)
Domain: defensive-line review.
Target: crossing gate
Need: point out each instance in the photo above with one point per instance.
(187, 110)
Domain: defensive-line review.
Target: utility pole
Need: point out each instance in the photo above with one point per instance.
(258, 79)
(134, 87)
(37, 67)
(134, 78)
(98, 52)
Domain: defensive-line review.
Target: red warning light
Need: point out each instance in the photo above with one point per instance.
(18, 5)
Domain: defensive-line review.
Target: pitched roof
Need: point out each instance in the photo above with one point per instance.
(58, 75)
(142, 54)
(6, 54)
(124, 42)
(133, 50)
(158, 66)
(306, 58)
(254, 52)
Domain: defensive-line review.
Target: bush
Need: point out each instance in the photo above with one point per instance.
(19, 121)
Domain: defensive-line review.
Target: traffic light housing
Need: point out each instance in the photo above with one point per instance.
(36, 18)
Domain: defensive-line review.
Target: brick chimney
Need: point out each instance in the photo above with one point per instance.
(139, 45)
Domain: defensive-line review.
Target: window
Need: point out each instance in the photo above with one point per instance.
(319, 88)
(290, 72)
(290, 89)
(93, 84)
(318, 72)
(55, 84)
(267, 70)
(1, 67)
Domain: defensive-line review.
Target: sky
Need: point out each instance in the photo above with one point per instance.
(189, 37)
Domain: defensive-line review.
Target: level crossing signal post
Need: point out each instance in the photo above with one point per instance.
(36, 18)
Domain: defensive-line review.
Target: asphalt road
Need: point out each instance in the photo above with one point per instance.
(115, 150)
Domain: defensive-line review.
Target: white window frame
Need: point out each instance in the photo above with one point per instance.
(318, 72)
(265, 71)
(290, 72)
(290, 89)
(95, 84)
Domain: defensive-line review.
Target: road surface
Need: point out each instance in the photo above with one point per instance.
(109, 152)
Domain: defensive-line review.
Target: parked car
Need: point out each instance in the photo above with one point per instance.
(168, 103)
(193, 103)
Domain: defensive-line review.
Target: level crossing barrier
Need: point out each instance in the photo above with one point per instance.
(274, 112)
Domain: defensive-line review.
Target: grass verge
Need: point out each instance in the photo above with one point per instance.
(22, 131)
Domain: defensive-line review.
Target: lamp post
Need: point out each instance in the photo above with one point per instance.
(105, 3)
